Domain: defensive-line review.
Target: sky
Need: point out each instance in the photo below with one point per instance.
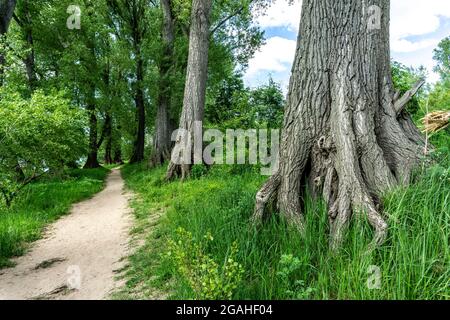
(417, 26)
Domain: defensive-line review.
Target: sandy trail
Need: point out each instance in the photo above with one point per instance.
(80, 253)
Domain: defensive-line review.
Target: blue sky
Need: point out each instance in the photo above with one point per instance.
(417, 26)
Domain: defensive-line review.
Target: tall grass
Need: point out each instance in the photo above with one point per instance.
(413, 264)
(41, 203)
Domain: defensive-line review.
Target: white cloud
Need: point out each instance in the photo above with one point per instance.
(408, 18)
(282, 14)
(416, 17)
(276, 55)
(402, 45)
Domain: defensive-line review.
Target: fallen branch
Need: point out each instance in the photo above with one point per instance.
(400, 103)
(436, 121)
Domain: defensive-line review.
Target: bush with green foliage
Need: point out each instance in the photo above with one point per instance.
(295, 289)
(37, 136)
(207, 279)
(231, 105)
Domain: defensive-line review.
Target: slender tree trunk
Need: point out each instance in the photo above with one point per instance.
(26, 24)
(30, 62)
(139, 143)
(108, 139)
(108, 151)
(341, 132)
(107, 126)
(117, 153)
(6, 12)
(162, 141)
(92, 160)
(195, 88)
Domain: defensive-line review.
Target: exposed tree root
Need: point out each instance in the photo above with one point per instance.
(176, 170)
(159, 157)
(349, 171)
(346, 135)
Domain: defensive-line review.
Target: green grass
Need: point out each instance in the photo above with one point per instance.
(279, 264)
(41, 203)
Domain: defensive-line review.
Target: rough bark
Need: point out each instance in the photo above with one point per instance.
(162, 140)
(139, 143)
(6, 12)
(341, 135)
(196, 77)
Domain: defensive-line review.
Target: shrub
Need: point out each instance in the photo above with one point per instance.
(207, 279)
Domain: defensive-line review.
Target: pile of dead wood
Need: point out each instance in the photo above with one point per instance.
(436, 121)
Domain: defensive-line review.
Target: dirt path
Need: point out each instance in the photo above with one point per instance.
(80, 254)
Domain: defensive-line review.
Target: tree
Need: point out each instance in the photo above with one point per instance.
(195, 88)
(211, 25)
(222, 103)
(341, 132)
(231, 105)
(442, 57)
(23, 16)
(6, 12)
(267, 102)
(43, 132)
(162, 140)
(131, 19)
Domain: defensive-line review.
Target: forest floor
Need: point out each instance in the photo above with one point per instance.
(80, 254)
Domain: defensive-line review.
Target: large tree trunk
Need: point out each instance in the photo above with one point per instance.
(6, 12)
(341, 131)
(195, 88)
(139, 143)
(162, 140)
